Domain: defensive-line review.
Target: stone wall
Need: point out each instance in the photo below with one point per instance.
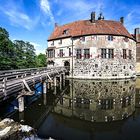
(96, 67)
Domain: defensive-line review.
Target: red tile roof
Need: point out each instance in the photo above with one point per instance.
(86, 27)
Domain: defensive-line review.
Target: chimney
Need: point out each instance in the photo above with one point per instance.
(56, 25)
(122, 20)
(101, 17)
(93, 17)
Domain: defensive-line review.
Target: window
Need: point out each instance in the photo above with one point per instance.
(61, 52)
(110, 53)
(130, 54)
(70, 52)
(78, 54)
(107, 53)
(103, 53)
(106, 104)
(50, 53)
(94, 37)
(86, 54)
(96, 65)
(124, 53)
(82, 39)
(110, 38)
(60, 42)
(52, 43)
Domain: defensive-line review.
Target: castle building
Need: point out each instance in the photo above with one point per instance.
(93, 49)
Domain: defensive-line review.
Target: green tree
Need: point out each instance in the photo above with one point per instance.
(18, 54)
(41, 60)
(7, 51)
(25, 54)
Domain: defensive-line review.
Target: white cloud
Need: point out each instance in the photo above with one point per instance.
(38, 48)
(17, 16)
(77, 5)
(45, 7)
(132, 20)
(78, 9)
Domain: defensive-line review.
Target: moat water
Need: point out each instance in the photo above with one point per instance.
(82, 110)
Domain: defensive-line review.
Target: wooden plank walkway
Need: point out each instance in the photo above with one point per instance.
(12, 82)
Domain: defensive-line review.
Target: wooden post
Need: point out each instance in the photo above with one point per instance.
(4, 86)
(60, 82)
(44, 99)
(44, 87)
(51, 85)
(55, 81)
(64, 79)
(21, 104)
(21, 117)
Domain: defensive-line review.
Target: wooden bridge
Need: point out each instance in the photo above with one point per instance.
(19, 83)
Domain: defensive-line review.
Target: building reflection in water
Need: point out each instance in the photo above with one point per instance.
(98, 101)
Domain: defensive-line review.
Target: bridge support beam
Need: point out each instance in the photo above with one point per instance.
(55, 81)
(21, 103)
(44, 99)
(60, 82)
(44, 92)
(64, 79)
(48, 85)
(44, 87)
(55, 90)
(21, 117)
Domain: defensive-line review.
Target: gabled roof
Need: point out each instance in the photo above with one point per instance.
(86, 27)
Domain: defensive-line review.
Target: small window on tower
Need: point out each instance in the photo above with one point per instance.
(52, 43)
(82, 39)
(60, 42)
(130, 54)
(124, 54)
(110, 38)
(78, 54)
(86, 53)
(61, 53)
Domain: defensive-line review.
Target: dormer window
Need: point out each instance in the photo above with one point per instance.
(110, 38)
(65, 32)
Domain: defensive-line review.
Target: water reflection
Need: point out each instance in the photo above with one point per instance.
(86, 110)
(98, 101)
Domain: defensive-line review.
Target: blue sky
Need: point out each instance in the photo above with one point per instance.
(33, 20)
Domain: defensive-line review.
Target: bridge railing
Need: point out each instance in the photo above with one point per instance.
(13, 79)
(22, 73)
